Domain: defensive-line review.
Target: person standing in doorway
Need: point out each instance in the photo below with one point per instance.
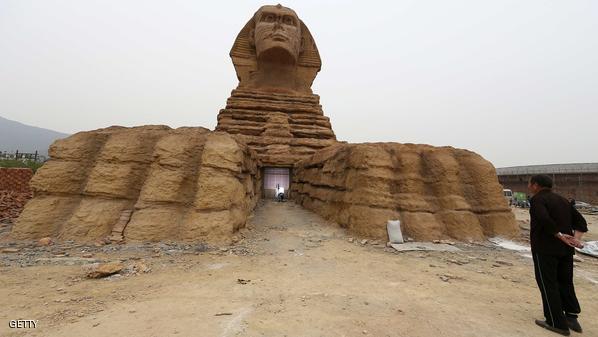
(556, 229)
(279, 193)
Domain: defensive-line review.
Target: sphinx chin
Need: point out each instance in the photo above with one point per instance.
(277, 55)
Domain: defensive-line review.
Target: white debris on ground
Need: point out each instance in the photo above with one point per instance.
(589, 248)
(424, 246)
(510, 245)
(393, 228)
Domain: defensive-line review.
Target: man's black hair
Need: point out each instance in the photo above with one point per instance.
(542, 180)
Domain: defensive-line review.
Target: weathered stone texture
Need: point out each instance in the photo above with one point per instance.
(180, 185)
(436, 192)
(282, 129)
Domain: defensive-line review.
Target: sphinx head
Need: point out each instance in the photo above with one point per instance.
(276, 35)
(276, 52)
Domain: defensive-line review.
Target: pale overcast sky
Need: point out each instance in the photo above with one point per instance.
(515, 81)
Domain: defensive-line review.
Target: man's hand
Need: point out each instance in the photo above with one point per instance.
(570, 240)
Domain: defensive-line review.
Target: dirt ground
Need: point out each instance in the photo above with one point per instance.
(290, 274)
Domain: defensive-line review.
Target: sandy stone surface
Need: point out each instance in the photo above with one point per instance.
(436, 192)
(282, 129)
(147, 183)
(290, 273)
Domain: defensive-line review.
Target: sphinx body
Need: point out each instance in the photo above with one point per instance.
(436, 192)
(146, 183)
(155, 183)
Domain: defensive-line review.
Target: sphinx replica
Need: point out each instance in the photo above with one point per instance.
(153, 183)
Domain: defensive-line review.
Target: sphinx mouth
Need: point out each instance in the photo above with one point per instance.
(278, 37)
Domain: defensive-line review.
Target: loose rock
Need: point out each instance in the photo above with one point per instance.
(105, 269)
(47, 241)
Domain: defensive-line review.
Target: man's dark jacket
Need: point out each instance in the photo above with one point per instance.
(550, 213)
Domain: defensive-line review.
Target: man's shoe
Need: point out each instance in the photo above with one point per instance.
(573, 324)
(553, 329)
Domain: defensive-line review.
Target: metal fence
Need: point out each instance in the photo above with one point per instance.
(23, 156)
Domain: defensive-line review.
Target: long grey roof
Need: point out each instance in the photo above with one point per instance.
(548, 169)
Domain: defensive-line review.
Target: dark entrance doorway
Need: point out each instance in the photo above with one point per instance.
(274, 176)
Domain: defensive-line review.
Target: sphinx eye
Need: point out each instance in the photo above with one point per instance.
(288, 20)
(269, 18)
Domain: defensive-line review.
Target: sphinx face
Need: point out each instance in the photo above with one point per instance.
(277, 34)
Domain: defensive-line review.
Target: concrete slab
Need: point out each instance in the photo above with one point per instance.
(424, 246)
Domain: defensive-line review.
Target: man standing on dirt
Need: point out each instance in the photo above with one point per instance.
(556, 228)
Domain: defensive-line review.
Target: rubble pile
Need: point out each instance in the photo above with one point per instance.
(11, 205)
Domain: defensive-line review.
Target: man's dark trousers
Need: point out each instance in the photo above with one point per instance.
(554, 275)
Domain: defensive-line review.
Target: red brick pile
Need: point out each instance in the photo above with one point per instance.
(11, 205)
(15, 179)
(14, 192)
